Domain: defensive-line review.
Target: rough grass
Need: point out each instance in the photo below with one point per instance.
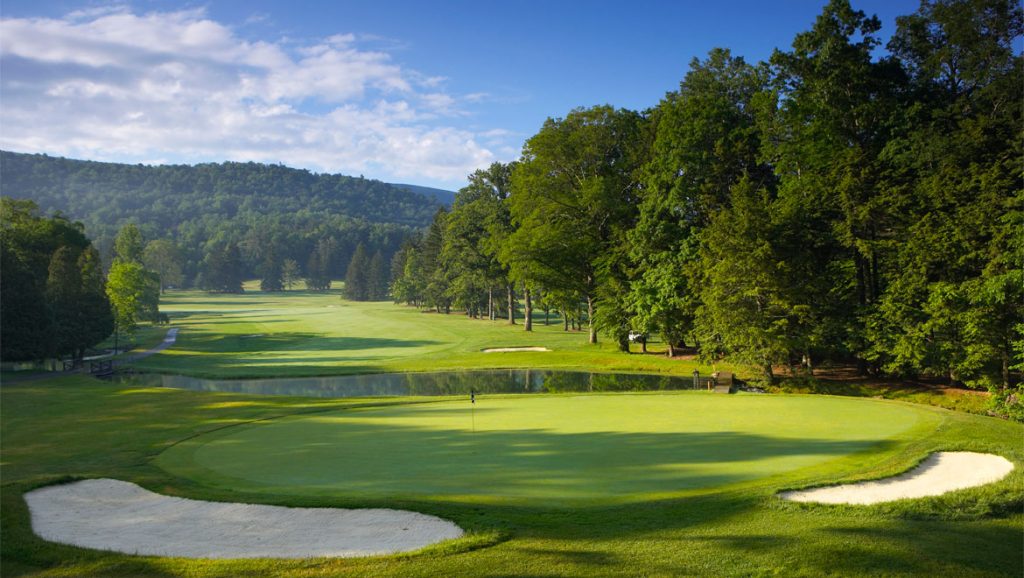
(78, 427)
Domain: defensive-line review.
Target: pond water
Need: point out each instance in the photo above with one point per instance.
(434, 383)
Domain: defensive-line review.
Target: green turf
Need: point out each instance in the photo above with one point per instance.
(304, 333)
(545, 449)
(77, 426)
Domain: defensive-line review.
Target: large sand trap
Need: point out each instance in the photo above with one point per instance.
(119, 516)
(941, 472)
(511, 349)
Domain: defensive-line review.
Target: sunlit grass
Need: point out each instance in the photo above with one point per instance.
(305, 333)
(76, 426)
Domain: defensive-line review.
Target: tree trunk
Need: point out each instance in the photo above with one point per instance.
(528, 322)
(590, 319)
(511, 305)
(565, 322)
(490, 303)
(671, 349)
(547, 316)
(643, 346)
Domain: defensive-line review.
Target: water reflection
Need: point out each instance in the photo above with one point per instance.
(435, 383)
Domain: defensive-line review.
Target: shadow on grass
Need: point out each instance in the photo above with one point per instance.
(271, 342)
(383, 457)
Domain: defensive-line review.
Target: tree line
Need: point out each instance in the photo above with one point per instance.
(57, 299)
(833, 203)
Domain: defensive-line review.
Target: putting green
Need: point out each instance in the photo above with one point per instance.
(540, 448)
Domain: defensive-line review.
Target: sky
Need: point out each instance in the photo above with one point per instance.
(402, 91)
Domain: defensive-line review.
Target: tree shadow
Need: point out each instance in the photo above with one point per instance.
(410, 456)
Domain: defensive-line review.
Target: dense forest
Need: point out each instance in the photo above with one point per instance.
(834, 203)
(266, 212)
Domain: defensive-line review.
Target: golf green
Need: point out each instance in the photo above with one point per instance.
(548, 448)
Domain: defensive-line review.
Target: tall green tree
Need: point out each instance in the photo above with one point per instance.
(164, 257)
(129, 244)
(707, 139)
(290, 273)
(357, 276)
(956, 297)
(573, 196)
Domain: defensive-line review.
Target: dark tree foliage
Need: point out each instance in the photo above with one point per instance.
(52, 292)
(357, 276)
(223, 269)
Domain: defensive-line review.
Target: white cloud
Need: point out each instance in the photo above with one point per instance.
(110, 84)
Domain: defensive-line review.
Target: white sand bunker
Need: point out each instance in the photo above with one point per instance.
(123, 517)
(941, 472)
(510, 349)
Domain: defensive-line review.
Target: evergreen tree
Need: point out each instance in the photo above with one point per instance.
(378, 278)
(290, 273)
(357, 276)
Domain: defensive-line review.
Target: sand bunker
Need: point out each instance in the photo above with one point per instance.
(510, 349)
(123, 517)
(941, 472)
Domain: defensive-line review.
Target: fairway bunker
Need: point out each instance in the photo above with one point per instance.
(119, 516)
(939, 473)
(513, 349)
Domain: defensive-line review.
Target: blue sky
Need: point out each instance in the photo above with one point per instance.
(402, 91)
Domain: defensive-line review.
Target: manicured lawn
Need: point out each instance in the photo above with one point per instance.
(302, 333)
(550, 449)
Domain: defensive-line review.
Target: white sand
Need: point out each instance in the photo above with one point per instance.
(941, 472)
(123, 517)
(510, 349)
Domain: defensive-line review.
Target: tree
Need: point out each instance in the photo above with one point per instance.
(127, 283)
(271, 272)
(573, 197)
(163, 257)
(318, 269)
(743, 314)
(50, 285)
(128, 245)
(954, 300)
(222, 269)
(290, 273)
(63, 295)
(357, 276)
(826, 142)
(707, 139)
(474, 230)
(93, 302)
(378, 278)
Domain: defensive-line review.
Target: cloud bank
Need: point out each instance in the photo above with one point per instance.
(179, 87)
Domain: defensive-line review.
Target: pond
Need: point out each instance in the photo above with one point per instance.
(434, 383)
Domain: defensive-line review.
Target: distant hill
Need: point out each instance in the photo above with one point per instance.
(224, 202)
(444, 197)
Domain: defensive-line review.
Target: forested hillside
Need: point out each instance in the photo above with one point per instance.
(263, 209)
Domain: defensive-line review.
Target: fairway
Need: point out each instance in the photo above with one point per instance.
(544, 448)
(299, 333)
